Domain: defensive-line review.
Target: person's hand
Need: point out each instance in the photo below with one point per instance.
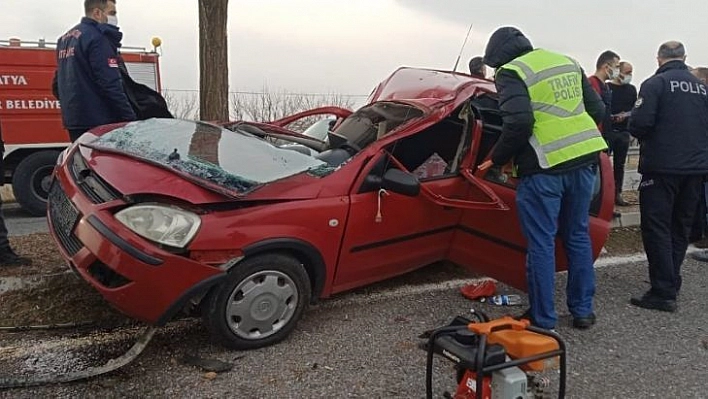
(621, 117)
(485, 165)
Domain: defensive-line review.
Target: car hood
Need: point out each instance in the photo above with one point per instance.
(233, 163)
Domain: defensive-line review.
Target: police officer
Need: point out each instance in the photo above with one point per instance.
(89, 85)
(670, 119)
(8, 257)
(550, 114)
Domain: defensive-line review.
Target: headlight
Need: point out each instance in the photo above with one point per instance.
(163, 224)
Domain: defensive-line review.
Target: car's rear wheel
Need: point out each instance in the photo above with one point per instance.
(260, 302)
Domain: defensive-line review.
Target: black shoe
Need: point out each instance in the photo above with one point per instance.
(619, 201)
(8, 257)
(649, 301)
(701, 256)
(584, 322)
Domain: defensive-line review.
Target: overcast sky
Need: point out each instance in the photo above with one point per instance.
(346, 47)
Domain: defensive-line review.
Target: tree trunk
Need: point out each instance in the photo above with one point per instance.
(213, 60)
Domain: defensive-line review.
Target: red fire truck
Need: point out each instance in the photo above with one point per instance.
(30, 116)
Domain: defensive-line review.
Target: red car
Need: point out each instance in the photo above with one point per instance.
(163, 216)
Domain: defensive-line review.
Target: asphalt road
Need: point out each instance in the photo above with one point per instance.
(20, 223)
(364, 345)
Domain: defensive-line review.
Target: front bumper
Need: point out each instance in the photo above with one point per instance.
(133, 275)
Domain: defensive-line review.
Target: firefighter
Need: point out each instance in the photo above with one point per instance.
(670, 119)
(88, 80)
(550, 114)
(8, 257)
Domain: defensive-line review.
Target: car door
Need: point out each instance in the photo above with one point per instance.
(388, 233)
(491, 242)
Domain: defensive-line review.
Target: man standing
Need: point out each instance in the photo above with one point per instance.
(698, 231)
(670, 119)
(8, 257)
(606, 68)
(550, 114)
(89, 85)
(624, 95)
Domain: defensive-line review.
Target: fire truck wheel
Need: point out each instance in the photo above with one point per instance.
(31, 181)
(259, 303)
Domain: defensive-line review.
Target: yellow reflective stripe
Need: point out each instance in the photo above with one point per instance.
(544, 150)
(586, 147)
(556, 110)
(532, 77)
(525, 69)
(570, 140)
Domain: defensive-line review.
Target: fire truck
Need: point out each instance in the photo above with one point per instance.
(30, 116)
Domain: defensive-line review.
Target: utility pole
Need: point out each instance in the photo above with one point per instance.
(213, 60)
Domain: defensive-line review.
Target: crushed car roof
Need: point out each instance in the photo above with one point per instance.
(427, 86)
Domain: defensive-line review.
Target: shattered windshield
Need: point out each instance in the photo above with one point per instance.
(234, 160)
(375, 121)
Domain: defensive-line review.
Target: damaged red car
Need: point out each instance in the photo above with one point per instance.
(165, 216)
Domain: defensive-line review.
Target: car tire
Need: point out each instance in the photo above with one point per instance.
(31, 179)
(260, 302)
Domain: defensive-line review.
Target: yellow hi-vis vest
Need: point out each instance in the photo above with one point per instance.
(563, 130)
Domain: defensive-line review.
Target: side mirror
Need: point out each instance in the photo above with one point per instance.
(401, 182)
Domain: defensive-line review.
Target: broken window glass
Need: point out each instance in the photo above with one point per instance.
(235, 160)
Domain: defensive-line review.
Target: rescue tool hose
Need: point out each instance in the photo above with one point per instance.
(58, 326)
(110, 365)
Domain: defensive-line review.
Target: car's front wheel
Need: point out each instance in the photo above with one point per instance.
(260, 302)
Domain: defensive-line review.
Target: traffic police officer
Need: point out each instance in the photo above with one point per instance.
(670, 119)
(550, 114)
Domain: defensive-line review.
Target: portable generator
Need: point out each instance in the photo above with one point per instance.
(497, 359)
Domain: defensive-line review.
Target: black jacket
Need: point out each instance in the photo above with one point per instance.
(89, 85)
(146, 102)
(670, 119)
(505, 45)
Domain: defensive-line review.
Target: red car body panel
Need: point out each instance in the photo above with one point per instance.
(347, 237)
(339, 112)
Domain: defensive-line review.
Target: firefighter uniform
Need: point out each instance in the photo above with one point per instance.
(670, 119)
(89, 85)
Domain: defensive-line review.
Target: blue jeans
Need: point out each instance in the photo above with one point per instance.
(551, 204)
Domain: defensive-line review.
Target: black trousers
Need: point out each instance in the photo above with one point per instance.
(618, 146)
(4, 242)
(700, 224)
(667, 204)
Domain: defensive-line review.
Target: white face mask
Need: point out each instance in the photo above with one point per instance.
(112, 20)
(613, 73)
(627, 79)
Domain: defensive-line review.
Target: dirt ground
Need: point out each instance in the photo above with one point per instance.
(42, 250)
(67, 300)
(70, 299)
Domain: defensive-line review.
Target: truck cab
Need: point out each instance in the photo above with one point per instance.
(30, 115)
